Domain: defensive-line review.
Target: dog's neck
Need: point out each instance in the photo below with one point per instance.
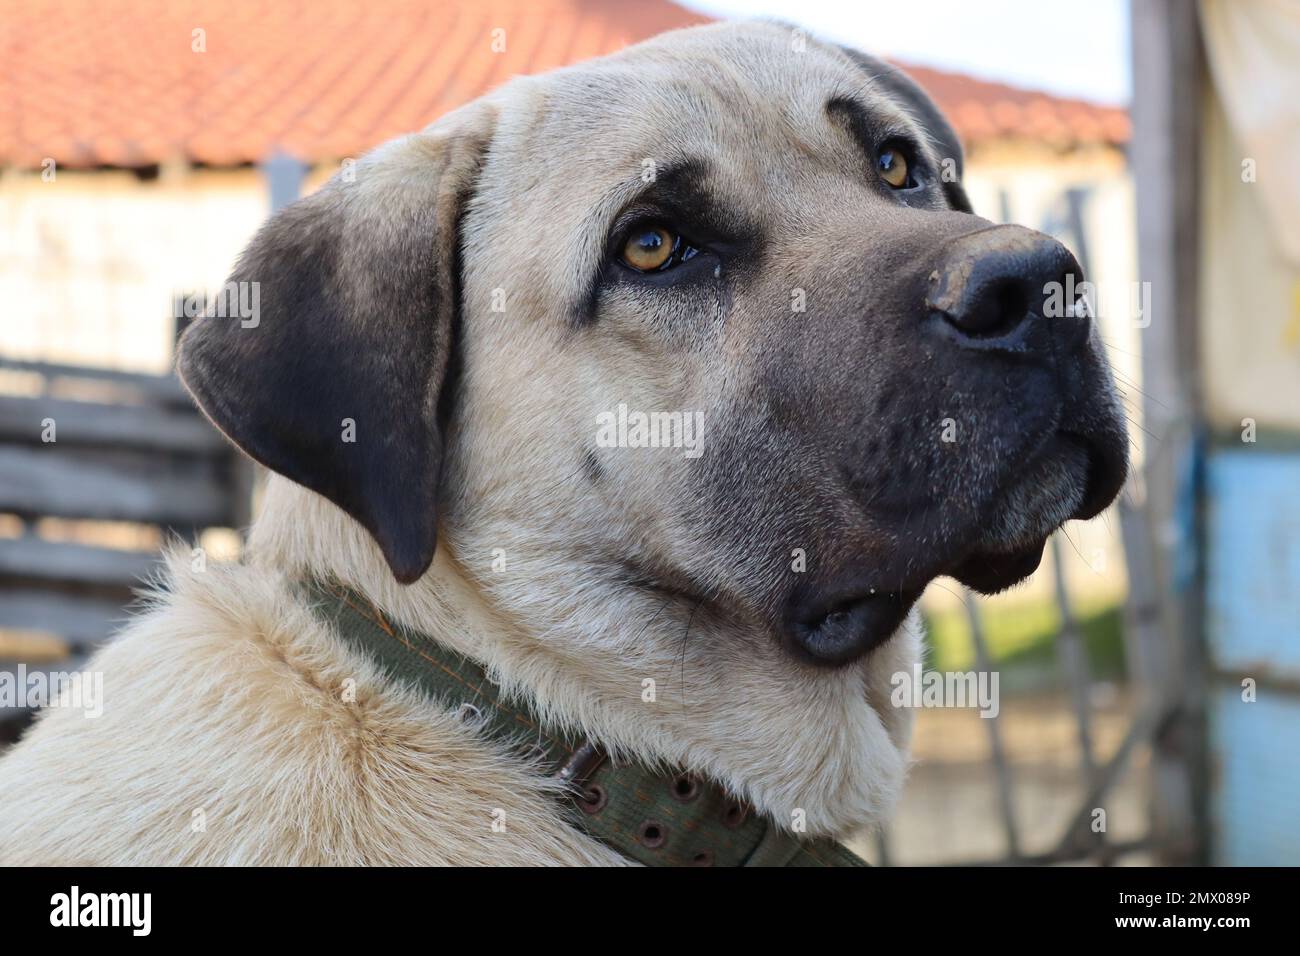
(817, 750)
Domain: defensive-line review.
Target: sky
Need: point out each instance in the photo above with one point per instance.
(1073, 48)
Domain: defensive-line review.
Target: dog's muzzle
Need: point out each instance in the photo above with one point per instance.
(1000, 320)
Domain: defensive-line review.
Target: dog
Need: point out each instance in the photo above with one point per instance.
(658, 388)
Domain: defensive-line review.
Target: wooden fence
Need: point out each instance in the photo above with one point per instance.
(96, 466)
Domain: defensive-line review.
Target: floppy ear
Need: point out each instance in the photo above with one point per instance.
(904, 89)
(332, 370)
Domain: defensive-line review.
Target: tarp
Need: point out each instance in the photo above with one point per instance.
(1250, 215)
(1254, 54)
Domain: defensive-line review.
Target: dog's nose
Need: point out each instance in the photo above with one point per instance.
(994, 286)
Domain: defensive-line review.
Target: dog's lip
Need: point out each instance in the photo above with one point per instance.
(1107, 471)
(845, 624)
(990, 572)
(842, 625)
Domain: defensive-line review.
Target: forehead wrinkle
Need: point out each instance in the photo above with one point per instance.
(903, 115)
(594, 226)
(592, 232)
(883, 116)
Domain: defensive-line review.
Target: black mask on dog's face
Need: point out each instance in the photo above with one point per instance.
(895, 389)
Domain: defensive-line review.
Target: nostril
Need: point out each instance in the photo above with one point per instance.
(992, 309)
(996, 287)
(1010, 304)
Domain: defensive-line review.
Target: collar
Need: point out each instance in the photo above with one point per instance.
(658, 818)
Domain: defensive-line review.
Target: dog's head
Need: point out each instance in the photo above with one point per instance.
(753, 251)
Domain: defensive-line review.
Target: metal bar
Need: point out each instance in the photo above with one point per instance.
(882, 847)
(1004, 206)
(1146, 726)
(1147, 844)
(1146, 656)
(1168, 69)
(1147, 653)
(285, 175)
(1073, 656)
(1002, 771)
(1074, 201)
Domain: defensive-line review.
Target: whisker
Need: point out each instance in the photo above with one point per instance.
(1140, 426)
(1077, 551)
(1137, 388)
(686, 636)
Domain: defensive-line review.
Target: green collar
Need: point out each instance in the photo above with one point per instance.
(659, 819)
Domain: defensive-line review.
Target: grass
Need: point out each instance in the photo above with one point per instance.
(1022, 638)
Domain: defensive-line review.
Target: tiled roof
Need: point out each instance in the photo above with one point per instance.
(119, 82)
(981, 110)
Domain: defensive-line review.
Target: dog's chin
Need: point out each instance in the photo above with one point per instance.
(839, 629)
(1052, 490)
(1072, 478)
(991, 572)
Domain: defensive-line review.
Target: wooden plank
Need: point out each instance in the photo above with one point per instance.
(163, 388)
(151, 427)
(80, 620)
(32, 558)
(71, 483)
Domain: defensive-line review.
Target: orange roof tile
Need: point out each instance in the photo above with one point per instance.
(118, 82)
(981, 110)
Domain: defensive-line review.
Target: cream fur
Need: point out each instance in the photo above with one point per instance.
(226, 699)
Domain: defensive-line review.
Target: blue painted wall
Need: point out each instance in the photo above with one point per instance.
(1257, 787)
(1253, 629)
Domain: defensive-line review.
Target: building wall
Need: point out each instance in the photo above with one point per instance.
(90, 261)
(1253, 628)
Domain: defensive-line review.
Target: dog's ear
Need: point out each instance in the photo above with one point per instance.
(904, 89)
(330, 365)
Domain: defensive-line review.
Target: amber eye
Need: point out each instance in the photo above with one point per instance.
(892, 166)
(649, 248)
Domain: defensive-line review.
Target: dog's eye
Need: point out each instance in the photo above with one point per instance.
(893, 168)
(649, 249)
(655, 248)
